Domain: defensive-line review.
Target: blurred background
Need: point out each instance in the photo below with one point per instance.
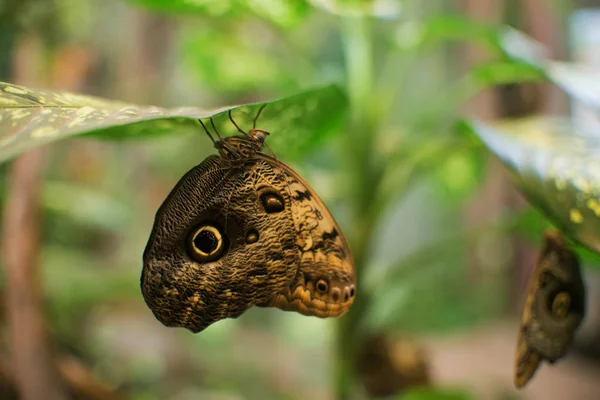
(443, 267)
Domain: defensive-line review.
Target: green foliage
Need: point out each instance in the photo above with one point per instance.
(437, 394)
(552, 160)
(30, 118)
(403, 297)
(234, 63)
(578, 81)
(86, 206)
(556, 168)
(376, 8)
(404, 99)
(281, 12)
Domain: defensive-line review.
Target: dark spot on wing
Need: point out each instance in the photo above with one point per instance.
(331, 235)
(302, 195)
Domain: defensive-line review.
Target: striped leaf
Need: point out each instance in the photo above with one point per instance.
(31, 118)
(556, 167)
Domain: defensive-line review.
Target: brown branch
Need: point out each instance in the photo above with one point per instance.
(34, 369)
(81, 382)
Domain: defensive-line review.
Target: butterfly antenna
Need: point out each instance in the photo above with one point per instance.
(281, 175)
(207, 132)
(236, 125)
(258, 115)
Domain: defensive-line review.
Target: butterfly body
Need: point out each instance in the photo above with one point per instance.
(243, 229)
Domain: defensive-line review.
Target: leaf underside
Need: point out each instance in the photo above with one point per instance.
(556, 167)
(31, 118)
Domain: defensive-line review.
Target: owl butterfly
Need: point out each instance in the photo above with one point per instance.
(553, 309)
(243, 229)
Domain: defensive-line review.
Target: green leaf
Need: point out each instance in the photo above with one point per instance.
(500, 40)
(214, 7)
(436, 394)
(235, 64)
(518, 46)
(581, 82)
(348, 8)
(423, 35)
(297, 124)
(506, 72)
(281, 12)
(556, 167)
(31, 118)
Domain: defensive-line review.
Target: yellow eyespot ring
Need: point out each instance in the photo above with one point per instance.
(206, 243)
(322, 286)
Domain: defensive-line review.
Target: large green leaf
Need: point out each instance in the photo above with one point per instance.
(556, 167)
(31, 118)
(581, 82)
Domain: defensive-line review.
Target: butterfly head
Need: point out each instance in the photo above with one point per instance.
(241, 147)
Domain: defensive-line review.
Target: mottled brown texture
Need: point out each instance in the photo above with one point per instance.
(246, 195)
(553, 309)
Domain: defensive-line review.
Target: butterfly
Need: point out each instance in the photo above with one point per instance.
(244, 229)
(553, 309)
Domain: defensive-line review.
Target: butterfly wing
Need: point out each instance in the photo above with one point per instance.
(223, 240)
(553, 309)
(325, 283)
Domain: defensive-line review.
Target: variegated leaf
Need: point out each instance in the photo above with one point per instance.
(30, 118)
(386, 9)
(581, 82)
(556, 167)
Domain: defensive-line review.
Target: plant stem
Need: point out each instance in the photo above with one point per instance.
(35, 372)
(358, 157)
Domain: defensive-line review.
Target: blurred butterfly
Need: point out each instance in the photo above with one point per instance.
(553, 309)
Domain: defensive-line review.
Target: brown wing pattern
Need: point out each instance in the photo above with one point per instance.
(325, 283)
(553, 309)
(247, 209)
(244, 229)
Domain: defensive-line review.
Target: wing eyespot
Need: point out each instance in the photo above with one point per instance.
(206, 243)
